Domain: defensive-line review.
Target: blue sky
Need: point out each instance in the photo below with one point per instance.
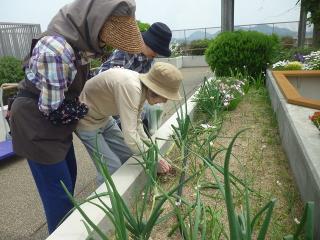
(177, 14)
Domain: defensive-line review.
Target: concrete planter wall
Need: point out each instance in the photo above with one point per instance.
(301, 142)
(185, 61)
(129, 179)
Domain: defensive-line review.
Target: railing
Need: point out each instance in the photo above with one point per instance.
(184, 37)
(280, 28)
(15, 38)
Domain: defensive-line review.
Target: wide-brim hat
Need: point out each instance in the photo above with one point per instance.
(164, 79)
(158, 38)
(122, 32)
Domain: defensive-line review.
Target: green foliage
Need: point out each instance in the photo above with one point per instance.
(10, 70)
(312, 61)
(313, 7)
(291, 54)
(222, 93)
(177, 49)
(249, 52)
(143, 26)
(287, 66)
(198, 47)
(96, 62)
(294, 66)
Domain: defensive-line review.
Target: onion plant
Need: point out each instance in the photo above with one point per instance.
(137, 224)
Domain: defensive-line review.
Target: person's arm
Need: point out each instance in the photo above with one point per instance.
(51, 68)
(128, 103)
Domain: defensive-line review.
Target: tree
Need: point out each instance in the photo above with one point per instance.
(143, 26)
(313, 7)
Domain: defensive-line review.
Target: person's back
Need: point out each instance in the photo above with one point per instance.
(157, 39)
(124, 92)
(105, 93)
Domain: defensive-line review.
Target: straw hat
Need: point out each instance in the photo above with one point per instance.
(122, 32)
(163, 79)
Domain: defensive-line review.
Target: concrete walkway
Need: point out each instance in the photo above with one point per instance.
(21, 213)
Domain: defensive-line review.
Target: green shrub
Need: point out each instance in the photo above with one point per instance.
(10, 70)
(247, 52)
(198, 47)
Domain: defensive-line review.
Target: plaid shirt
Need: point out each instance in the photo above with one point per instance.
(136, 62)
(51, 69)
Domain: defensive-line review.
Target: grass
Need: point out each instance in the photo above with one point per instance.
(258, 157)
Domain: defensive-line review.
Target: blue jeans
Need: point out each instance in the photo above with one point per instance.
(107, 144)
(47, 178)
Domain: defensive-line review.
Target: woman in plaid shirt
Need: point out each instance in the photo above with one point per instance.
(46, 110)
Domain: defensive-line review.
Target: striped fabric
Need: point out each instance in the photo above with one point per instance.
(136, 62)
(51, 69)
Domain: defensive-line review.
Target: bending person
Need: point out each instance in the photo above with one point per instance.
(47, 109)
(157, 40)
(123, 92)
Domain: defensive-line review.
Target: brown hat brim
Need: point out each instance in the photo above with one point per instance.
(122, 32)
(174, 95)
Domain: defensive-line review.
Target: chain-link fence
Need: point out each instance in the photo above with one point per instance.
(15, 38)
(283, 29)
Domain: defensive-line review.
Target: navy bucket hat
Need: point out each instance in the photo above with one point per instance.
(158, 38)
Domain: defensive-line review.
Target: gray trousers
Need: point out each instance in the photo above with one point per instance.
(107, 144)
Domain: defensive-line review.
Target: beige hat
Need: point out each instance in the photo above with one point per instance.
(163, 79)
(122, 32)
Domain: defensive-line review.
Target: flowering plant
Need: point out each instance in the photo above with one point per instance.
(286, 65)
(312, 61)
(315, 118)
(307, 62)
(220, 94)
(176, 49)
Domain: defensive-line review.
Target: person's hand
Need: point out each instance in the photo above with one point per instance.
(163, 166)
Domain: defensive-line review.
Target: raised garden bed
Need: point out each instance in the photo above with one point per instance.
(300, 140)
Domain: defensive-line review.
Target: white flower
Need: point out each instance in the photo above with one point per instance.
(279, 183)
(296, 221)
(206, 126)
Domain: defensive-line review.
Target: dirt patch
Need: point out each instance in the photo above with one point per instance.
(258, 158)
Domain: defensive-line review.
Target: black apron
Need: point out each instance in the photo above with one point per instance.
(33, 136)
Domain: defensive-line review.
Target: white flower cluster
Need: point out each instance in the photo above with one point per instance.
(280, 64)
(175, 49)
(230, 89)
(312, 61)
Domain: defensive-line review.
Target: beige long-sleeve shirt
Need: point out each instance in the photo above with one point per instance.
(116, 91)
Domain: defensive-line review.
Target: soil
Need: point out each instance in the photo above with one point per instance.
(258, 158)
